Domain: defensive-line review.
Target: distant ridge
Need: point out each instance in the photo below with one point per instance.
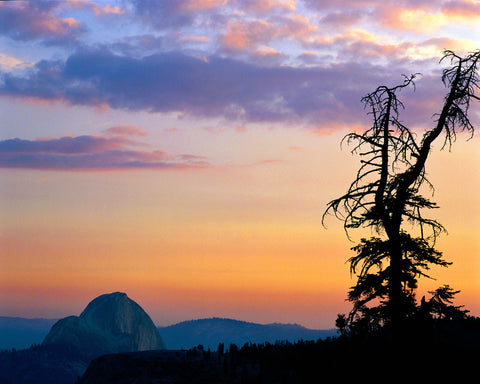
(19, 332)
(212, 331)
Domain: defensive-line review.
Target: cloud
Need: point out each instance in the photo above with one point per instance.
(64, 145)
(242, 36)
(89, 153)
(27, 20)
(94, 8)
(200, 5)
(249, 34)
(125, 130)
(238, 25)
(195, 39)
(342, 18)
(167, 13)
(242, 28)
(179, 13)
(267, 55)
(265, 6)
(411, 19)
(216, 87)
(462, 8)
(418, 16)
(9, 63)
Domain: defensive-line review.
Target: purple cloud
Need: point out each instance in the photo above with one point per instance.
(64, 145)
(89, 153)
(205, 87)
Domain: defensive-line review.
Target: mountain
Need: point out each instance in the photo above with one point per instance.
(110, 323)
(211, 332)
(20, 333)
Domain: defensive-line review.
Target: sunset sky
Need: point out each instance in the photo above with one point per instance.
(184, 151)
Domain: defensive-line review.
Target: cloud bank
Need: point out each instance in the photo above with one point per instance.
(205, 87)
(90, 153)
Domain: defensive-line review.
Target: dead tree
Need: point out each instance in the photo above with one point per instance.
(385, 194)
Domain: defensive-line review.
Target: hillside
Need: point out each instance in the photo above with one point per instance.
(20, 333)
(210, 332)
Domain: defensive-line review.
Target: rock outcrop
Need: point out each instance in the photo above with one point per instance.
(111, 323)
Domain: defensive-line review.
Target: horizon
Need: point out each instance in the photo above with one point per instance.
(185, 153)
(184, 321)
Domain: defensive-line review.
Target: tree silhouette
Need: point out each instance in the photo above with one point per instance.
(385, 196)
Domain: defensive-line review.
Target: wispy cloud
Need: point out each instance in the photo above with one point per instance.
(90, 153)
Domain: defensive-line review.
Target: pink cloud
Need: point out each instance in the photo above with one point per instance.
(241, 128)
(195, 39)
(126, 130)
(25, 20)
(413, 19)
(421, 16)
(93, 7)
(462, 8)
(268, 55)
(296, 27)
(250, 34)
(242, 36)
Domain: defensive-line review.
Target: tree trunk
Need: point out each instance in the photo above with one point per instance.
(395, 305)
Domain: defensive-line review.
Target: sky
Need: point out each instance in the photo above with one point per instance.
(184, 151)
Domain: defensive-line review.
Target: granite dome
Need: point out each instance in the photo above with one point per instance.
(110, 323)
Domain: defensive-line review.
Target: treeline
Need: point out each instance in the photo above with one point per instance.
(445, 351)
(279, 362)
